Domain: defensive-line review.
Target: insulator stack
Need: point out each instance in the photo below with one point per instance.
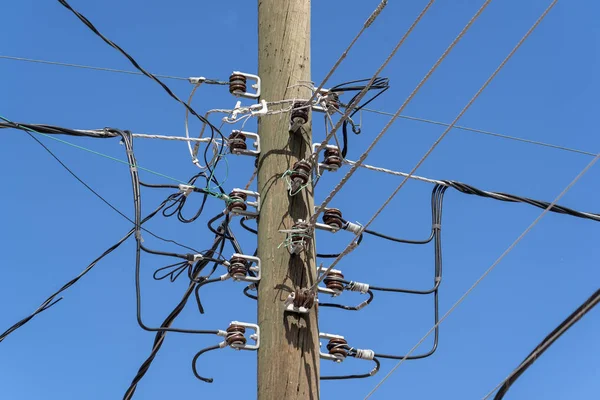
(301, 172)
(237, 141)
(333, 217)
(237, 201)
(299, 115)
(238, 267)
(237, 84)
(332, 158)
(235, 335)
(304, 298)
(333, 281)
(338, 347)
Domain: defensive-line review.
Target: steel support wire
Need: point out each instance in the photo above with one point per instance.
(362, 94)
(365, 154)
(352, 245)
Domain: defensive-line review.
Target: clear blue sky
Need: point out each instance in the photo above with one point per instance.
(89, 345)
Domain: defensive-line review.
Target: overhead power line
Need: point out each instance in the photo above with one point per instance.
(564, 326)
(484, 132)
(62, 64)
(371, 110)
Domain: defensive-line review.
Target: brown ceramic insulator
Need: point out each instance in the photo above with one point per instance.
(299, 115)
(333, 217)
(237, 141)
(304, 298)
(238, 267)
(301, 172)
(237, 84)
(332, 281)
(235, 335)
(237, 201)
(338, 347)
(332, 158)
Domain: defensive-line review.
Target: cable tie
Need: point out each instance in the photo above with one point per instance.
(358, 287)
(352, 227)
(365, 354)
(436, 226)
(362, 305)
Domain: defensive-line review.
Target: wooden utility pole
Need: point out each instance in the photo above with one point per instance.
(288, 358)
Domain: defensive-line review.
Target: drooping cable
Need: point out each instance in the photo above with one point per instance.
(552, 337)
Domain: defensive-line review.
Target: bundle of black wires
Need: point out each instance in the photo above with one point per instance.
(380, 85)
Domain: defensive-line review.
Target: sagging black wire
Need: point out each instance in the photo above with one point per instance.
(165, 326)
(51, 300)
(49, 129)
(213, 129)
(464, 188)
(180, 198)
(380, 84)
(564, 326)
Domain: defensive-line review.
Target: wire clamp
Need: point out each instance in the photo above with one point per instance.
(196, 80)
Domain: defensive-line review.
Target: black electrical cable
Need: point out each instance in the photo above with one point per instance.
(197, 292)
(355, 376)
(213, 129)
(195, 360)
(464, 188)
(52, 130)
(45, 129)
(380, 84)
(165, 326)
(179, 199)
(564, 326)
(51, 300)
(128, 142)
(350, 308)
